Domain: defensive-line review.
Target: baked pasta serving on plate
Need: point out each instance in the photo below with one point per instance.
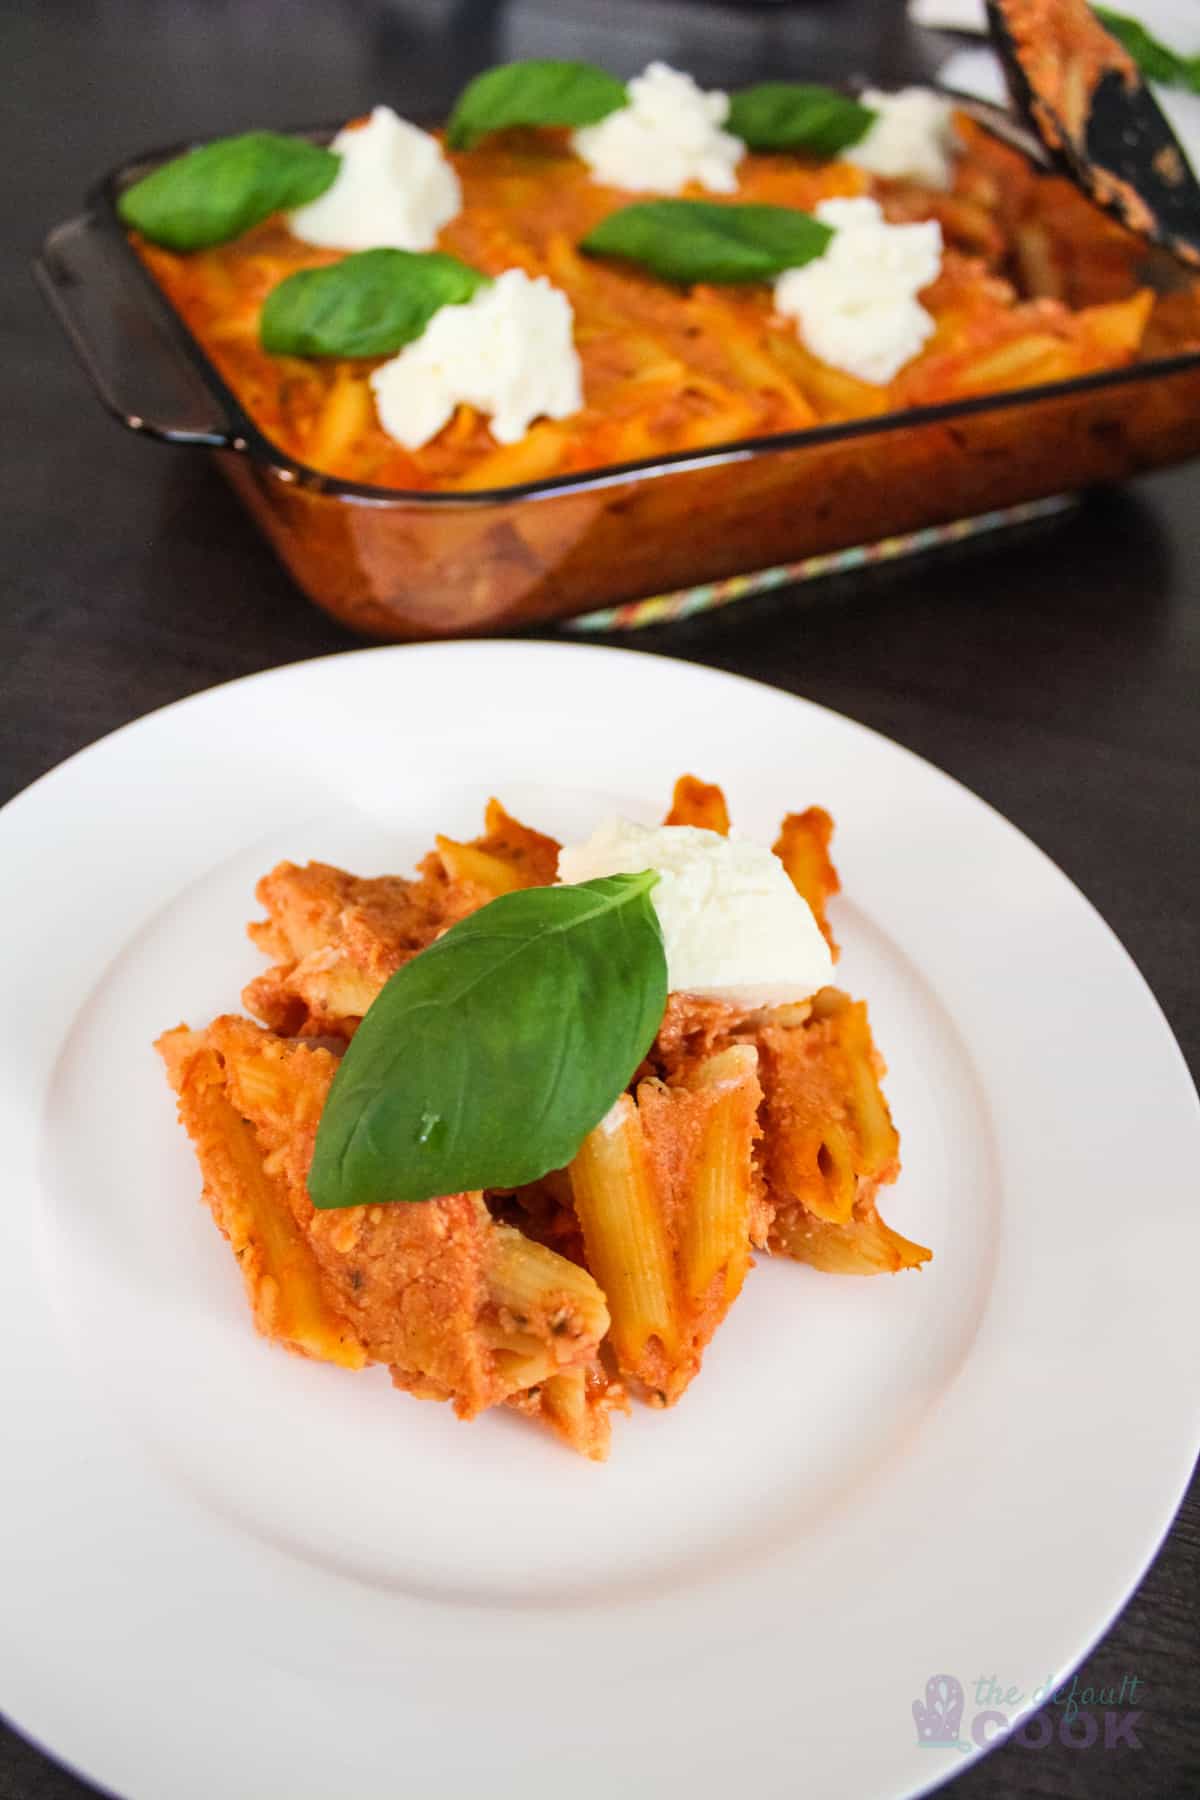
(514, 1127)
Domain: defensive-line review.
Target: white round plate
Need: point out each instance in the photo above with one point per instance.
(228, 1571)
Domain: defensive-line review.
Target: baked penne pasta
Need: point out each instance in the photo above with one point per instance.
(621, 1215)
(742, 1129)
(337, 938)
(282, 1276)
(829, 1140)
(803, 848)
(863, 1245)
(664, 1189)
(699, 803)
(458, 1307)
(577, 1404)
(1036, 286)
(715, 1219)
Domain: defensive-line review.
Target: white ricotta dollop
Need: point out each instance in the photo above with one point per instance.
(857, 305)
(733, 925)
(508, 351)
(668, 135)
(912, 139)
(394, 191)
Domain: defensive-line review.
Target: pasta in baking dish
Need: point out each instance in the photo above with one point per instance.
(1035, 286)
(742, 1130)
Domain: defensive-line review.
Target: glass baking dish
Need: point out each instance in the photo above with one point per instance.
(396, 564)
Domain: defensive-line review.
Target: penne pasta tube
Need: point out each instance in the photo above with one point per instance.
(577, 1405)
(803, 848)
(281, 1275)
(624, 1233)
(332, 988)
(564, 1401)
(699, 803)
(344, 417)
(879, 1143)
(467, 862)
(518, 1365)
(543, 1291)
(863, 1245)
(538, 453)
(1119, 326)
(831, 1197)
(716, 1225)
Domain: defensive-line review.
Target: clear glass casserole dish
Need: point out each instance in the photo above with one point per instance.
(402, 564)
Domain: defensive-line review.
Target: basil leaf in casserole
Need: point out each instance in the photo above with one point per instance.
(1156, 60)
(790, 115)
(488, 1058)
(210, 195)
(369, 304)
(701, 240)
(533, 93)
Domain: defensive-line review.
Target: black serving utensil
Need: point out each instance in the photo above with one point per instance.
(1084, 96)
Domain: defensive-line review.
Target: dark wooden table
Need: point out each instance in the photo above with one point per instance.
(1056, 671)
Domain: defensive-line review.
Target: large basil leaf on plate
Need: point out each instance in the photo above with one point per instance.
(701, 240)
(369, 304)
(212, 194)
(533, 93)
(488, 1058)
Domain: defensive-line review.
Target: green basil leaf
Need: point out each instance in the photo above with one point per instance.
(533, 93)
(700, 240)
(488, 1058)
(1157, 61)
(791, 115)
(210, 195)
(369, 304)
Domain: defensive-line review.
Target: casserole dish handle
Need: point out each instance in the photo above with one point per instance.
(124, 338)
